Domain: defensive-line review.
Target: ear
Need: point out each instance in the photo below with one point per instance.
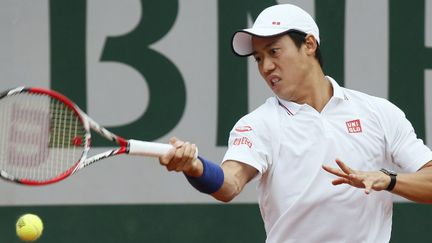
(311, 44)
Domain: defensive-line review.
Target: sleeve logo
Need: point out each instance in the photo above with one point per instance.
(242, 140)
(243, 129)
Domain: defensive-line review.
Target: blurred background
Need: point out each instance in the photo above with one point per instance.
(151, 70)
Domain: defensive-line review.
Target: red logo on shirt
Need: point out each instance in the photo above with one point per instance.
(354, 126)
(243, 129)
(242, 140)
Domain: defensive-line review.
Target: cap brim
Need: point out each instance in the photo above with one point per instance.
(242, 40)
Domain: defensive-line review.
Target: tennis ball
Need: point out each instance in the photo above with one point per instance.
(29, 227)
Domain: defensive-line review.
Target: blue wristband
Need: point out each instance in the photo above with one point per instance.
(211, 179)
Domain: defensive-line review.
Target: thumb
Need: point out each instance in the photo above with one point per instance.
(173, 140)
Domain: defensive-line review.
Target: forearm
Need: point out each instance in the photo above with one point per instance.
(235, 175)
(416, 186)
(222, 182)
(232, 186)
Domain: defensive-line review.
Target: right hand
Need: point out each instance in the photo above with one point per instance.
(181, 158)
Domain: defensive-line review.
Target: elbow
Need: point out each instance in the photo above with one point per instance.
(225, 199)
(425, 200)
(227, 193)
(422, 200)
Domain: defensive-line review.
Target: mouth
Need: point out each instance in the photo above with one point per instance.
(273, 80)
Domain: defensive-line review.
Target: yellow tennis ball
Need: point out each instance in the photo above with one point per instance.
(29, 227)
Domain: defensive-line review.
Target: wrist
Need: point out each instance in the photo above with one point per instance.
(391, 179)
(196, 170)
(211, 178)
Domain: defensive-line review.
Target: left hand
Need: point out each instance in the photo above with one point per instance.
(370, 180)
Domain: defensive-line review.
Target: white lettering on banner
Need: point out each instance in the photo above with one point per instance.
(25, 43)
(106, 19)
(362, 72)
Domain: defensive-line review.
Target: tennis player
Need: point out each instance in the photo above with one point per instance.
(312, 123)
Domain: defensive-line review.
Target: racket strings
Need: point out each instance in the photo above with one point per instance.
(41, 137)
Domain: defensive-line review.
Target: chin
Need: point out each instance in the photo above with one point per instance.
(284, 96)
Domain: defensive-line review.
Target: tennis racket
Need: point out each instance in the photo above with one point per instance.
(45, 137)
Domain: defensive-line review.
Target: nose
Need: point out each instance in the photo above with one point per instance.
(267, 65)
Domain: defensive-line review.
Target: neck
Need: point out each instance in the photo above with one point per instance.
(317, 92)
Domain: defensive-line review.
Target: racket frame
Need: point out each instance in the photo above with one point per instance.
(139, 147)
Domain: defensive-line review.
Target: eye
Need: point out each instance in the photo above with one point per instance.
(274, 51)
(257, 58)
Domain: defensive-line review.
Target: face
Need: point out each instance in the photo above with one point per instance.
(282, 65)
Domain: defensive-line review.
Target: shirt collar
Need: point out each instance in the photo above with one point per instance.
(337, 90)
(292, 108)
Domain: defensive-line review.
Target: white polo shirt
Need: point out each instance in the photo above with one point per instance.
(288, 143)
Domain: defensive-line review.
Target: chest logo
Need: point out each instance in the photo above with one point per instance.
(354, 126)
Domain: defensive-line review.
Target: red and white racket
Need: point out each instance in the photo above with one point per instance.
(45, 137)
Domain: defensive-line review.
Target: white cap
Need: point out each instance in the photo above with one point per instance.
(273, 21)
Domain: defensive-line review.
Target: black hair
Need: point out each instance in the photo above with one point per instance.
(299, 39)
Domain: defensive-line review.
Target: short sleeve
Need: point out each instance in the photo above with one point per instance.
(407, 151)
(246, 145)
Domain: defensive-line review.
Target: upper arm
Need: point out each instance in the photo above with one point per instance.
(428, 164)
(236, 176)
(240, 172)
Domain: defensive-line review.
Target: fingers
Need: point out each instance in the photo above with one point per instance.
(346, 175)
(164, 160)
(344, 170)
(173, 140)
(370, 180)
(344, 167)
(368, 184)
(176, 143)
(335, 171)
(340, 181)
(366, 181)
(189, 160)
(181, 157)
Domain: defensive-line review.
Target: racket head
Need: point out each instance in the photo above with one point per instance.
(43, 136)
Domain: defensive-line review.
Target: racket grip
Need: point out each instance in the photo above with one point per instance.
(137, 147)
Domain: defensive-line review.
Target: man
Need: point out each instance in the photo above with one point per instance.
(309, 124)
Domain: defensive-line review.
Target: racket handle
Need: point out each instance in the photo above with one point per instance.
(137, 147)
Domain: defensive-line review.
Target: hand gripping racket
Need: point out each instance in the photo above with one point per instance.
(45, 137)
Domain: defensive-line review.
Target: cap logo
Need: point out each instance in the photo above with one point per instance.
(275, 23)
